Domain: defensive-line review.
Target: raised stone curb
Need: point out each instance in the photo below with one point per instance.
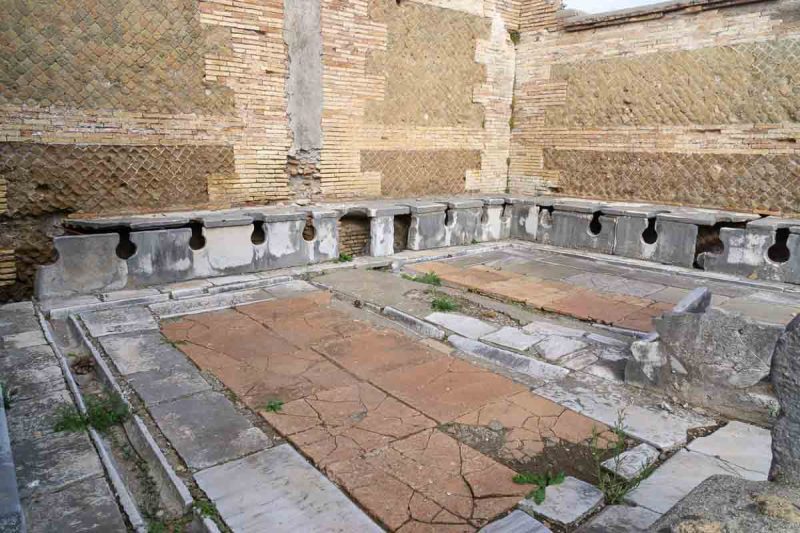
(463, 325)
(538, 371)
(12, 519)
(630, 464)
(414, 324)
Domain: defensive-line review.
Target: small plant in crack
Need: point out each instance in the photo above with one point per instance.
(206, 509)
(102, 412)
(274, 406)
(344, 258)
(542, 481)
(444, 303)
(613, 486)
(431, 278)
(175, 344)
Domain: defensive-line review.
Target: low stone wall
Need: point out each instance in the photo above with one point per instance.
(116, 253)
(709, 357)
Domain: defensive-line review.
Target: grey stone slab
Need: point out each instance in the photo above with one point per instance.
(678, 476)
(541, 327)
(566, 503)
(134, 294)
(204, 304)
(629, 238)
(35, 418)
(50, 463)
(555, 347)
(141, 352)
(463, 325)
(644, 419)
(607, 341)
(744, 445)
(290, 289)
(732, 504)
(770, 313)
(60, 308)
(579, 360)
(88, 506)
(381, 236)
(525, 223)
(167, 383)
(278, 491)
(205, 429)
(427, 230)
(676, 242)
(86, 263)
(17, 318)
(516, 522)
(631, 463)
(633, 209)
(31, 373)
(423, 207)
(614, 284)
(513, 338)
(620, 519)
(115, 321)
(233, 280)
(162, 256)
(25, 339)
(572, 230)
(537, 371)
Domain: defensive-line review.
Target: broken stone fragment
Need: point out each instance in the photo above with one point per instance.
(786, 382)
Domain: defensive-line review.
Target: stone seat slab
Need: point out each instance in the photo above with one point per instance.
(122, 320)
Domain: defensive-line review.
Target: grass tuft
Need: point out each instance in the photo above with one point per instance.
(542, 481)
(102, 412)
(444, 304)
(431, 278)
(274, 406)
(344, 258)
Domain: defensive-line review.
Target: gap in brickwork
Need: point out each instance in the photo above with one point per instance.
(354, 235)
(402, 225)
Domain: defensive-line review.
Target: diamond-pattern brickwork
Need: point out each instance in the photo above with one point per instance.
(421, 172)
(768, 182)
(703, 86)
(49, 178)
(3, 194)
(429, 66)
(137, 55)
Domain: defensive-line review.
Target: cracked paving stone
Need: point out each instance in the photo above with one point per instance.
(433, 480)
(252, 360)
(374, 353)
(339, 424)
(447, 387)
(528, 424)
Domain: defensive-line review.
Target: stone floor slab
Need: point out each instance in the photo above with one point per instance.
(205, 429)
(446, 387)
(565, 503)
(167, 383)
(604, 401)
(631, 463)
(614, 284)
(141, 352)
(342, 423)
(276, 490)
(463, 325)
(115, 321)
(17, 318)
(87, 506)
(540, 327)
(555, 347)
(516, 522)
(24, 339)
(513, 338)
(50, 463)
(678, 476)
(620, 519)
(744, 445)
(433, 481)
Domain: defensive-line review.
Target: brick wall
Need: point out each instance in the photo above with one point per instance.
(354, 235)
(695, 106)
